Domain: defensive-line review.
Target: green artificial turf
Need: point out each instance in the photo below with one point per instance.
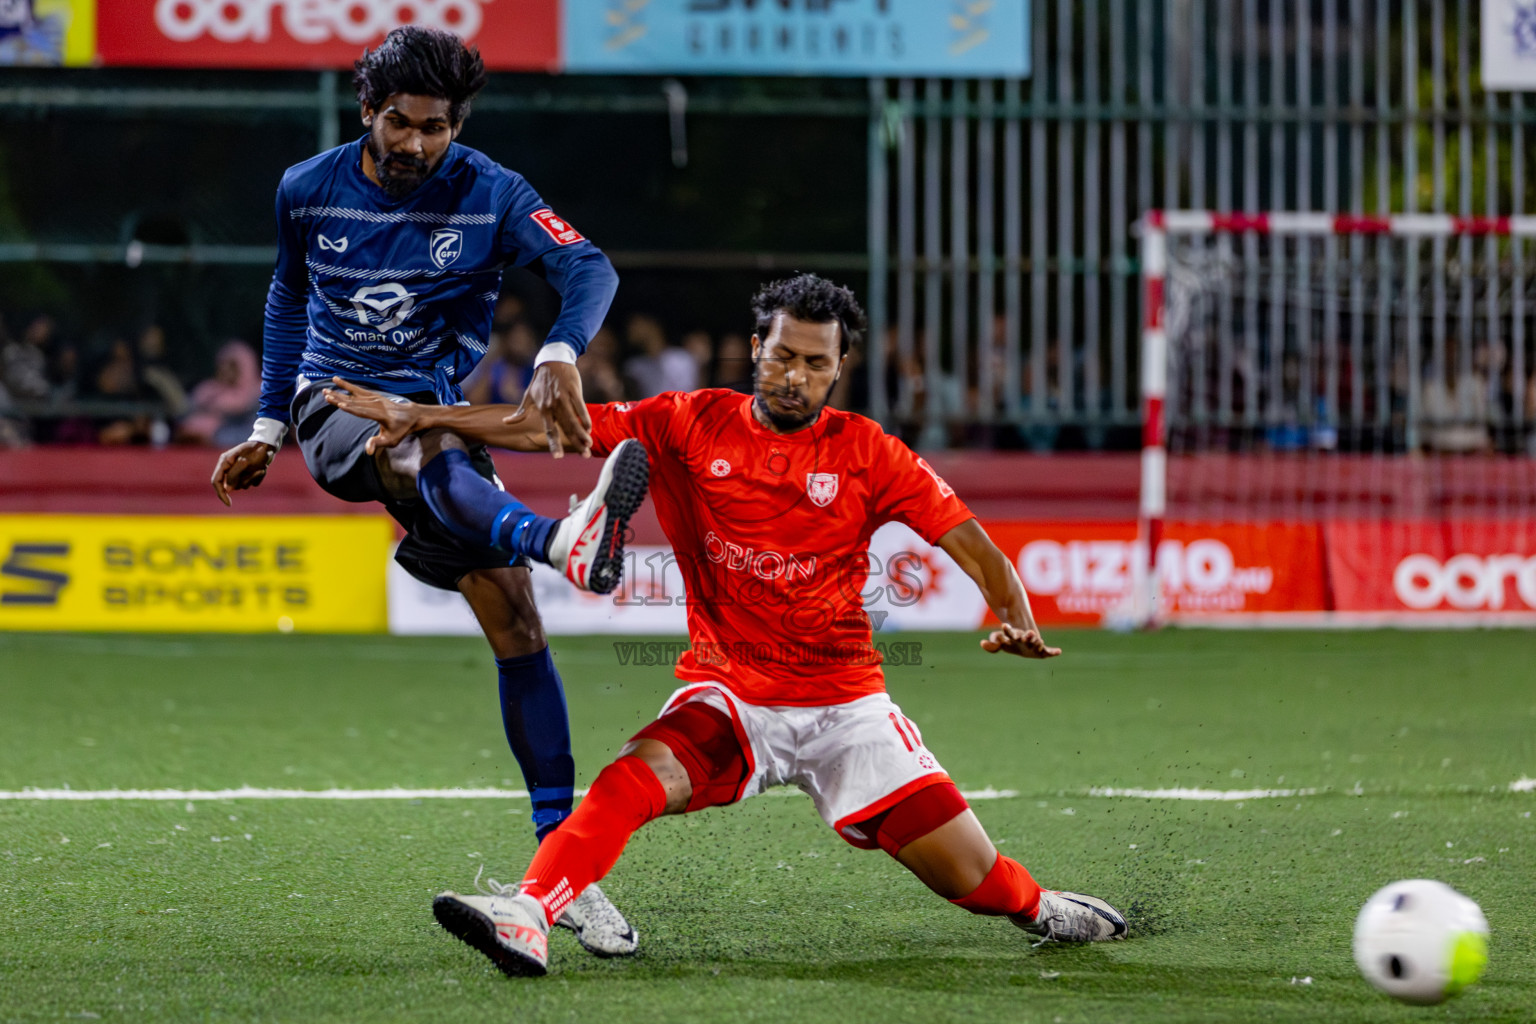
(318, 910)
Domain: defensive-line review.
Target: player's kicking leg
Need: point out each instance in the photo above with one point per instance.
(587, 545)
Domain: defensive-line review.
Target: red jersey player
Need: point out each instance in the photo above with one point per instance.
(769, 501)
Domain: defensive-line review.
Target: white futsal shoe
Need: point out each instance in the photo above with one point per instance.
(1073, 917)
(588, 544)
(599, 927)
(507, 927)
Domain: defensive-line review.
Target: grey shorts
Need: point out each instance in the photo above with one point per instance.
(334, 447)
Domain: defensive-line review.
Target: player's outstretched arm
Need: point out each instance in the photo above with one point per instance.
(244, 465)
(501, 426)
(971, 548)
(555, 394)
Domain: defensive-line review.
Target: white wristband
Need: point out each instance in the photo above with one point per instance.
(269, 431)
(555, 352)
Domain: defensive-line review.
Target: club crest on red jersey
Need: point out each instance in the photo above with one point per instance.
(821, 488)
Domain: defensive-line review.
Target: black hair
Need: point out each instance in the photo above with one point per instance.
(422, 62)
(814, 300)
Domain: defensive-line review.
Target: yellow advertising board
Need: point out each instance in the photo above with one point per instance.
(45, 33)
(246, 574)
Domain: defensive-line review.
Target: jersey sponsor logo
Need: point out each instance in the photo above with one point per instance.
(445, 246)
(339, 245)
(558, 229)
(383, 306)
(765, 565)
(821, 488)
(29, 579)
(720, 467)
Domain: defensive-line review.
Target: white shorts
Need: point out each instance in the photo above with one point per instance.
(853, 760)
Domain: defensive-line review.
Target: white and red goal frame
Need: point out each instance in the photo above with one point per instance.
(1155, 228)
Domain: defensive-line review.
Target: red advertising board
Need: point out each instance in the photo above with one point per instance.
(1433, 566)
(512, 35)
(1076, 572)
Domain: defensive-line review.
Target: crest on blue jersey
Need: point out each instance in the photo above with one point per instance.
(445, 246)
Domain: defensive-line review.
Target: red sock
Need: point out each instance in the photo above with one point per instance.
(624, 796)
(1007, 889)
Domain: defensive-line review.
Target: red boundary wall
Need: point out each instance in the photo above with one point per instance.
(175, 481)
(1412, 537)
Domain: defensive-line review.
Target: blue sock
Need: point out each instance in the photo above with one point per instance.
(539, 732)
(477, 511)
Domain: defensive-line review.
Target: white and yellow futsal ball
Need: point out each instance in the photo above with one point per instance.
(1421, 941)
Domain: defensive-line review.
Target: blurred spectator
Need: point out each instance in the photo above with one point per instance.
(1042, 398)
(64, 371)
(118, 374)
(733, 363)
(505, 373)
(509, 310)
(658, 366)
(599, 365)
(155, 375)
(118, 377)
(701, 349)
(224, 406)
(903, 377)
(64, 375)
(1453, 404)
(1286, 432)
(24, 361)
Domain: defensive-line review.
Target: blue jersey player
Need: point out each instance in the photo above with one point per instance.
(390, 254)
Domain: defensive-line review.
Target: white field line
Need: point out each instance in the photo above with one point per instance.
(1182, 793)
(394, 793)
(1521, 785)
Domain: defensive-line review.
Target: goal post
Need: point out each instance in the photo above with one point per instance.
(1367, 379)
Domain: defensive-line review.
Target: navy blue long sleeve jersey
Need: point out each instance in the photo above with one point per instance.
(398, 294)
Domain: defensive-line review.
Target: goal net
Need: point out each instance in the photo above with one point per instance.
(1337, 419)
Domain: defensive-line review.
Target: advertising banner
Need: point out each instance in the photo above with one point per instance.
(1429, 567)
(241, 574)
(1075, 573)
(513, 35)
(47, 33)
(1508, 33)
(945, 38)
(1078, 572)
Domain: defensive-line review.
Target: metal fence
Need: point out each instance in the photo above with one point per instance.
(1001, 212)
(1000, 252)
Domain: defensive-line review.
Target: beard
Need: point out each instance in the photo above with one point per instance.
(785, 421)
(399, 175)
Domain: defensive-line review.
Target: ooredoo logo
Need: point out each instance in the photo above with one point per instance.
(312, 21)
(1465, 582)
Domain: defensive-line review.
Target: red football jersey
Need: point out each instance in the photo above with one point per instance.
(771, 533)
